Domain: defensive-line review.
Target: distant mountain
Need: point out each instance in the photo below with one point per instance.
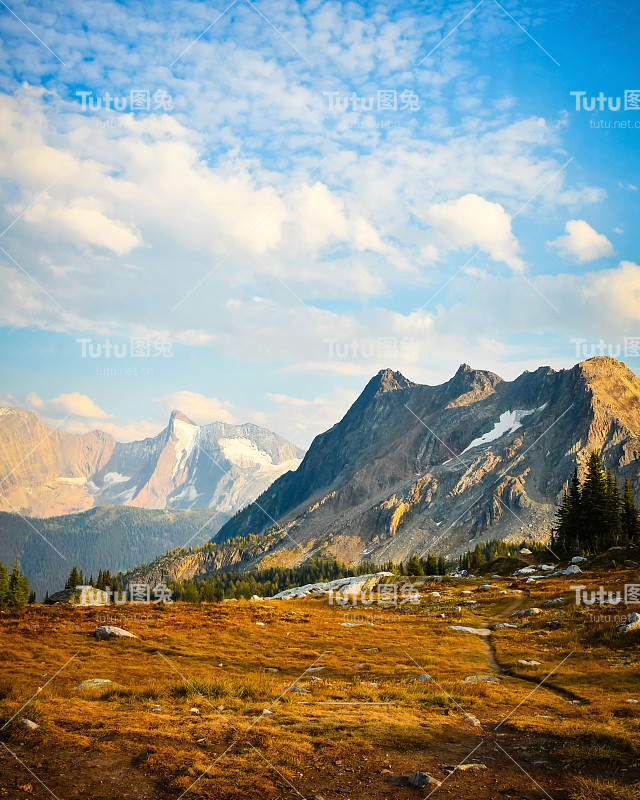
(49, 472)
(111, 537)
(413, 468)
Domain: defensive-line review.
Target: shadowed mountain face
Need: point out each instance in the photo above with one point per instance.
(48, 472)
(414, 468)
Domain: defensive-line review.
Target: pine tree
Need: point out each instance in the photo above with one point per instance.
(430, 565)
(442, 566)
(594, 505)
(74, 579)
(630, 516)
(4, 584)
(613, 519)
(18, 586)
(414, 567)
(115, 586)
(478, 558)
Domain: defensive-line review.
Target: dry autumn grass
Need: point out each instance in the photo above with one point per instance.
(252, 739)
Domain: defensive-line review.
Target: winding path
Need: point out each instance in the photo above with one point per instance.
(492, 656)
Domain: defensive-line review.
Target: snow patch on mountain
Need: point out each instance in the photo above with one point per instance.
(184, 434)
(509, 422)
(244, 453)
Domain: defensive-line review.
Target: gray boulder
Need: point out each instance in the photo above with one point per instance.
(104, 632)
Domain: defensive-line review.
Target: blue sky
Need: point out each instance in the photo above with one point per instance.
(306, 193)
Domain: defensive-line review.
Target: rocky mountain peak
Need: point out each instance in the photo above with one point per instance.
(386, 381)
(178, 416)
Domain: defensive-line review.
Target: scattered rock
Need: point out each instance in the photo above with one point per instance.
(524, 663)
(546, 567)
(578, 560)
(98, 683)
(433, 594)
(524, 571)
(156, 709)
(557, 601)
(553, 625)
(481, 679)
(266, 712)
(487, 587)
(572, 569)
(464, 629)
(420, 779)
(472, 720)
(27, 723)
(260, 623)
(631, 700)
(527, 612)
(525, 551)
(194, 711)
(505, 625)
(80, 596)
(465, 767)
(424, 677)
(103, 632)
(350, 624)
(632, 623)
(296, 689)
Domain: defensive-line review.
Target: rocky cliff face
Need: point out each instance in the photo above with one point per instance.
(414, 468)
(48, 473)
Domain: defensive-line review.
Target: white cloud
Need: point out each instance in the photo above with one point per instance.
(79, 405)
(582, 243)
(473, 221)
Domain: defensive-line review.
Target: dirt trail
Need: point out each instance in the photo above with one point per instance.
(492, 656)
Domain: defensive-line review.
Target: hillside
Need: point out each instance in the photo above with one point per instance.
(111, 537)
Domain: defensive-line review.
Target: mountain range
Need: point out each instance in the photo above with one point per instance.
(48, 472)
(414, 468)
(410, 468)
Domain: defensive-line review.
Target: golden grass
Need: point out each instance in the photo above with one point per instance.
(587, 789)
(216, 658)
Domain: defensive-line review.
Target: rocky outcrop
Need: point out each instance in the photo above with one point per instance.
(80, 596)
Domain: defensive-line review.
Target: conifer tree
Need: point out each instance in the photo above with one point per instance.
(18, 586)
(630, 517)
(74, 579)
(4, 584)
(414, 567)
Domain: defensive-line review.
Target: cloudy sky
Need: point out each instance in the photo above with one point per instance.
(244, 210)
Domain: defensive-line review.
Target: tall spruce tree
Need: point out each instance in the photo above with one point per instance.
(18, 587)
(594, 504)
(4, 584)
(630, 517)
